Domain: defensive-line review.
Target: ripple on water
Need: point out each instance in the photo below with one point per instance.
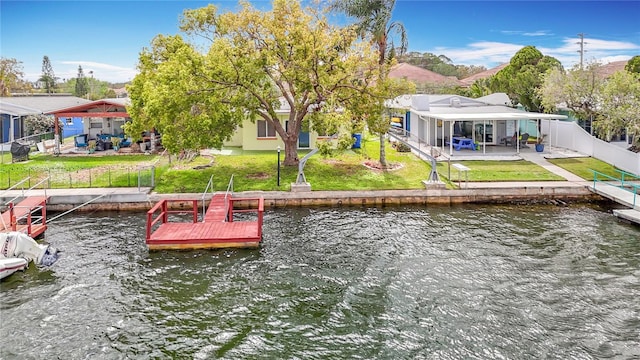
(403, 283)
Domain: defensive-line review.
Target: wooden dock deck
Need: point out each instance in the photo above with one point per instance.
(25, 215)
(216, 230)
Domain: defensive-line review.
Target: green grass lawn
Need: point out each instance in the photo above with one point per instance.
(582, 167)
(493, 170)
(257, 170)
(79, 171)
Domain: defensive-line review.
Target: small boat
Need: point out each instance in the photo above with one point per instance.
(10, 265)
(17, 250)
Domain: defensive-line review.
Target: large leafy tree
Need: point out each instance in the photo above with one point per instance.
(256, 62)
(523, 76)
(633, 65)
(578, 89)
(620, 105)
(171, 95)
(10, 76)
(374, 21)
(48, 78)
(480, 87)
(613, 103)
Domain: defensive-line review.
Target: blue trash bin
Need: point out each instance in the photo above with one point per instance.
(356, 144)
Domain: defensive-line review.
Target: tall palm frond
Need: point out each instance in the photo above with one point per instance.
(374, 20)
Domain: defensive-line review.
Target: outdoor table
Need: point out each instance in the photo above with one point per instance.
(464, 143)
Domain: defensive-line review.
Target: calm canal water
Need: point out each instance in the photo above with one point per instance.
(483, 282)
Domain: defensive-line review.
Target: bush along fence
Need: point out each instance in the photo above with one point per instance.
(112, 176)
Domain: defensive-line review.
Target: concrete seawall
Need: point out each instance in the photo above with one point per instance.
(127, 199)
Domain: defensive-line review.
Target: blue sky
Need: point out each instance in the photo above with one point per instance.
(106, 36)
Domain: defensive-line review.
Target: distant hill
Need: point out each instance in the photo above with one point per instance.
(605, 71)
(482, 75)
(608, 69)
(419, 75)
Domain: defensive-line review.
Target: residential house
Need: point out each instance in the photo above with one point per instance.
(441, 120)
(14, 110)
(106, 117)
(99, 117)
(260, 135)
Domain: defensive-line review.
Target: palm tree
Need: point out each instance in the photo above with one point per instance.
(373, 19)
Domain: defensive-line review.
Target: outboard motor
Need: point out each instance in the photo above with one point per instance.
(19, 245)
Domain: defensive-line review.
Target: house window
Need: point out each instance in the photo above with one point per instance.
(265, 129)
(69, 121)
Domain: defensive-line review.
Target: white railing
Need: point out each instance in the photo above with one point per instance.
(25, 192)
(204, 195)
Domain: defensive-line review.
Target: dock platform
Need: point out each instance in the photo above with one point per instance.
(28, 216)
(217, 228)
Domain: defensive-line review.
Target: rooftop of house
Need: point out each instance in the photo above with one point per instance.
(41, 104)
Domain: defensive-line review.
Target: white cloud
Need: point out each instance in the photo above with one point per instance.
(491, 54)
(527, 33)
(538, 33)
(101, 71)
(511, 32)
(68, 69)
(484, 53)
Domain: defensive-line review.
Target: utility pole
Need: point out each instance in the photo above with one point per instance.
(582, 50)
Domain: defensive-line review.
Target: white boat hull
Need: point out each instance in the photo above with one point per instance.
(10, 265)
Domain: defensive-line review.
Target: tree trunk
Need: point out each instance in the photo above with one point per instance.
(290, 151)
(383, 156)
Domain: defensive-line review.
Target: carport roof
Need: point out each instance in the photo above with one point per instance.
(98, 108)
(44, 103)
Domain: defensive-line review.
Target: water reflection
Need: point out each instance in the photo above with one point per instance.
(401, 283)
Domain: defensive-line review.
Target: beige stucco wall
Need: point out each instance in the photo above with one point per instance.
(236, 139)
(247, 138)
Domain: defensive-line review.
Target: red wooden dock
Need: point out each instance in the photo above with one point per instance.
(25, 215)
(216, 230)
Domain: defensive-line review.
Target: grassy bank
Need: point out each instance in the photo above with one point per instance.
(258, 170)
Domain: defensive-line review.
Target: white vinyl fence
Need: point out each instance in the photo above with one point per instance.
(571, 136)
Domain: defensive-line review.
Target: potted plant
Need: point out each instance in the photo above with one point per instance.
(539, 144)
(92, 146)
(115, 141)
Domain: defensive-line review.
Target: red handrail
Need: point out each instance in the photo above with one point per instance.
(163, 216)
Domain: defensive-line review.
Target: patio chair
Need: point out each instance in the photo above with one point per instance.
(523, 140)
(125, 142)
(80, 141)
(509, 141)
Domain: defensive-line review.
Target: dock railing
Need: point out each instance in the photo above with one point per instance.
(228, 208)
(251, 205)
(621, 183)
(21, 182)
(24, 192)
(26, 215)
(30, 215)
(204, 195)
(159, 214)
